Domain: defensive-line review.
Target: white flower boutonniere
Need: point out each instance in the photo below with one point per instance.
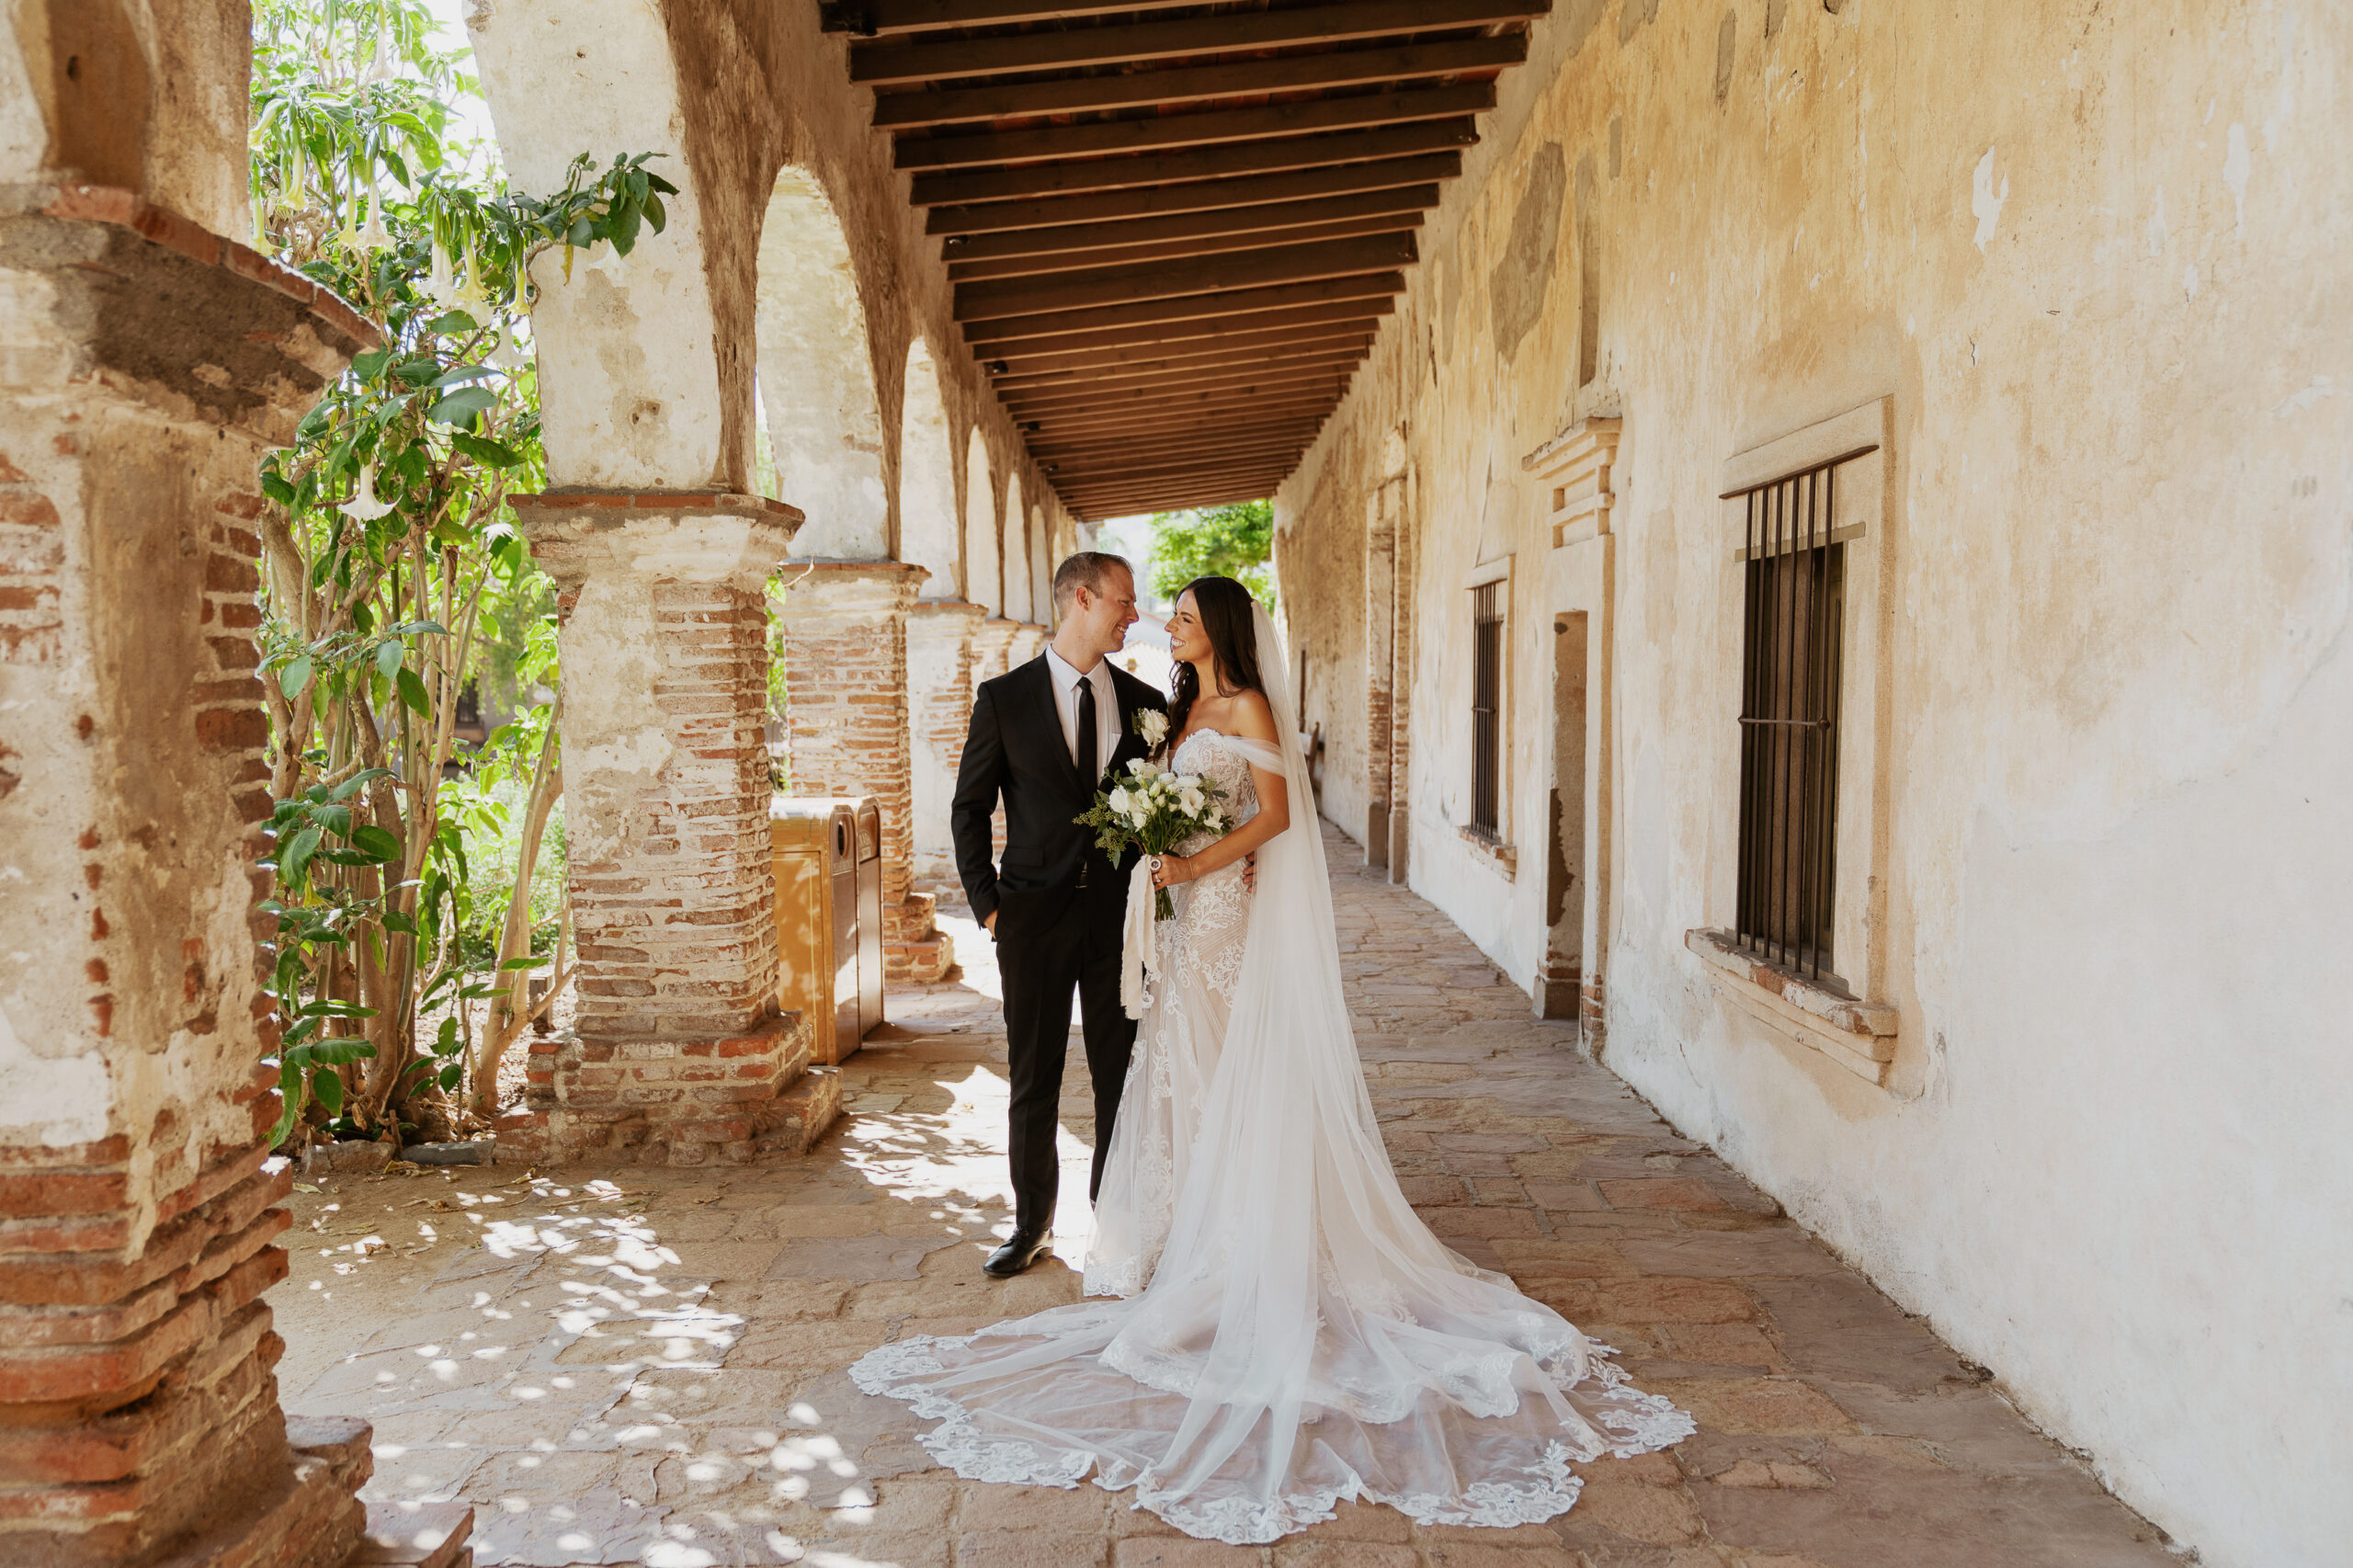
(1153, 725)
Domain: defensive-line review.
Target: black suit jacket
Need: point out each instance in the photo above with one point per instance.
(1014, 752)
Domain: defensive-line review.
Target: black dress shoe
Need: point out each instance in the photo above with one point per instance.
(1020, 1250)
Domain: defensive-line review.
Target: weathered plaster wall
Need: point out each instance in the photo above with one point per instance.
(2095, 257)
(648, 374)
(142, 95)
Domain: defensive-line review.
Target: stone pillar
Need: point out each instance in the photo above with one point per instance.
(677, 1054)
(941, 639)
(993, 649)
(148, 364)
(846, 647)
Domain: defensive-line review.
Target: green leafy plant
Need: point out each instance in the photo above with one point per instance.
(1234, 541)
(393, 565)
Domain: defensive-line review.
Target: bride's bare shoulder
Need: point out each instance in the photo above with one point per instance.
(1252, 716)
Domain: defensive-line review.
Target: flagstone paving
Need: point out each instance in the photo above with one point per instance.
(645, 1366)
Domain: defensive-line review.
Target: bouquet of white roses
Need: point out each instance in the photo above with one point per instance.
(1153, 809)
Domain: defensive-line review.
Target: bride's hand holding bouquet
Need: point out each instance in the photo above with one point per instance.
(1152, 810)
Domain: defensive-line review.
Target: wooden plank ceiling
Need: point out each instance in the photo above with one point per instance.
(1174, 226)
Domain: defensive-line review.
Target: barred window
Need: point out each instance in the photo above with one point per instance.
(1795, 575)
(1486, 709)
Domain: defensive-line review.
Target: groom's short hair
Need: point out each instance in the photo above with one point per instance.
(1088, 569)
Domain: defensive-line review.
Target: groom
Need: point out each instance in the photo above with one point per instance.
(1042, 737)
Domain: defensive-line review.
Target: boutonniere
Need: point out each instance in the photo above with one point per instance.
(1153, 725)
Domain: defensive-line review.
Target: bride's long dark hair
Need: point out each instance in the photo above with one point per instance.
(1229, 623)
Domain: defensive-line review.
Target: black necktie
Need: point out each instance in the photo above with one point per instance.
(1087, 756)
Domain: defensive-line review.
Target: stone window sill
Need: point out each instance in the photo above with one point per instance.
(1858, 1035)
(1495, 851)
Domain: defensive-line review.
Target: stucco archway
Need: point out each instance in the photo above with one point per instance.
(1016, 553)
(983, 571)
(816, 376)
(928, 528)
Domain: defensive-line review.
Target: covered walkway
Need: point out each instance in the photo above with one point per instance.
(645, 1364)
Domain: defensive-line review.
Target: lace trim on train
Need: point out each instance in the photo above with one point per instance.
(1638, 1423)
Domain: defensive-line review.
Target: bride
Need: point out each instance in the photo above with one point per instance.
(1283, 1333)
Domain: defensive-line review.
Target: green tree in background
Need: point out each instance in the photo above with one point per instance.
(1234, 541)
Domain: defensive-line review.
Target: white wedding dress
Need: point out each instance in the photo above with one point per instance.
(1287, 1333)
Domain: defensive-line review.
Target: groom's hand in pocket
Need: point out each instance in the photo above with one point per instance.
(989, 925)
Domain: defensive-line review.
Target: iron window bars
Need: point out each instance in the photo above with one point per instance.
(1486, 709)
(1791, 645)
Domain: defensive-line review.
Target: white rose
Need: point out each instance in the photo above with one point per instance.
(1153, 725)
(1119, 802)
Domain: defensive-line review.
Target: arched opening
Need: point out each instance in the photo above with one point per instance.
(927, 524)
(1041, 568)
(816, 376)
(983, 578)
(1016, 553)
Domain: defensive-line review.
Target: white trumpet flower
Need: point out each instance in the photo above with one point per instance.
(380, 67)
(372, 236)
(506, 354)
(363, 507)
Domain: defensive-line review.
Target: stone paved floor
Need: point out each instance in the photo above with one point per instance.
(645, 1366)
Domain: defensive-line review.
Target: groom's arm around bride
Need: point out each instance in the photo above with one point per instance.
(1042, 736)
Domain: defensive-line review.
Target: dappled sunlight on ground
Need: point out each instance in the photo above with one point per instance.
(646, 1365)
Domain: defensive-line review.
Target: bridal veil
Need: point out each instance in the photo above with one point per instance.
(1305, 1339)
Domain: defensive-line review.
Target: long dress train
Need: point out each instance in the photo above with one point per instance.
(1289, 1333)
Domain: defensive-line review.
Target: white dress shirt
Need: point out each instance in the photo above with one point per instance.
(1106, 711)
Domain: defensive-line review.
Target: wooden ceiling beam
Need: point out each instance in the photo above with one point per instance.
(1194, 84)
(898, 61)
(1173, 364)
(1237, 407)
(1028, 403)
(1082, 427)
(1148, 321)
(1067, 239)
(1173, 460)
(1292, 439)
(1101, 286)
(1160, 133)
(1173, 492)
(1186, 333)
(1179, 200)
(1218, 424)
(1203, 276)
(1210, 163)
(1066, 262)
(869, 17)
(1208, 351)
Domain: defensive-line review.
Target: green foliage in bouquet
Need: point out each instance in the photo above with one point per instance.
(1152, 810)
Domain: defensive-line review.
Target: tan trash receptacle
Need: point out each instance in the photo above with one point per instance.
(815, 845)
(869, 916)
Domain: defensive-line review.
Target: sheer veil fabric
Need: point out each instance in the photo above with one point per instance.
(1304, 1339)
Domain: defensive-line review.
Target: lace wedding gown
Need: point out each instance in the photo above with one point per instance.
(1287, 1333)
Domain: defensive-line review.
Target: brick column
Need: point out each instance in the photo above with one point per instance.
(991, 648)
(147, 366)
(1030, 640)
(846, 647)
(677, 1054)
(941, 639)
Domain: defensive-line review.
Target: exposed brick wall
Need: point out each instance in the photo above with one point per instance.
(846, 650)
(677, 935)
(677, 1054)
(139, 1413)
(941, 651)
